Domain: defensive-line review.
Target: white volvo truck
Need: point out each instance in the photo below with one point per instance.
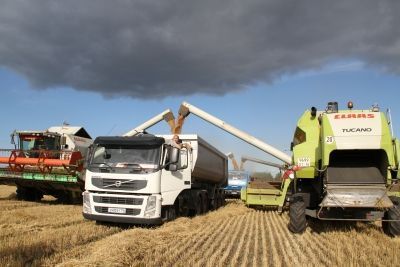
(143, 179)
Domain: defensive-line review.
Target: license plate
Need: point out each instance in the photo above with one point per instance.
(117, 210)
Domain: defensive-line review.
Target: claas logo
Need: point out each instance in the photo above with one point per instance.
(354, 116)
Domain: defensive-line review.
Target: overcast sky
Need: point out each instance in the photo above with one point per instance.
(109, 65)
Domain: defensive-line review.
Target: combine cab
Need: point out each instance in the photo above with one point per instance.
(46, 163)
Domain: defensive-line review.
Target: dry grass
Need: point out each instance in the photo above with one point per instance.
(51, 234)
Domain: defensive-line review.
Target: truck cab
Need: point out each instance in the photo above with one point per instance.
(142, 179)
(236, 181)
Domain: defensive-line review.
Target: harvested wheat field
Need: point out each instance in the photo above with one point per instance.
(51, 234)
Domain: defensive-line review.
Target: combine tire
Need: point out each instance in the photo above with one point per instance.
(297, 215)
(392, 228)
(28, 194)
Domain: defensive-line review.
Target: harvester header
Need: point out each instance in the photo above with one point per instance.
(45, 162)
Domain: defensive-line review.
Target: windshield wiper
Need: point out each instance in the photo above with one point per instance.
(135, 167)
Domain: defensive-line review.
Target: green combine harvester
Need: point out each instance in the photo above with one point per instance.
(348, 168)
(344, 167)
(46, 162)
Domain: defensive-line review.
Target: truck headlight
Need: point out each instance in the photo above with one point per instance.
(151, 206)
(86, 203)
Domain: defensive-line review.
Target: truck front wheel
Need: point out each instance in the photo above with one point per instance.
(169, 213)
(392, 228)
(297, 215)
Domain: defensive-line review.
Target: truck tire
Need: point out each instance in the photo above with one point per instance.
(183, 206)
(204, 198)
(197, 208)
(217, 199)
(392, 228)
(297, 215)
(169, 213)
(222, 198)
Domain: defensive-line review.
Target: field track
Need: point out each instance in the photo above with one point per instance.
(51, 234)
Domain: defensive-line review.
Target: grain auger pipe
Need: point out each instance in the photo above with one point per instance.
(268, 163)
(166, 115)
(234, 162)
(187, 108)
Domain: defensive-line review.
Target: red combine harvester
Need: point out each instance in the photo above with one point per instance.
(46, 163)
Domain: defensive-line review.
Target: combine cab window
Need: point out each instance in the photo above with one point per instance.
(299, 137)
(38, 143)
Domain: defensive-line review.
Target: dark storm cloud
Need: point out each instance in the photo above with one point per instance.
(151, 49)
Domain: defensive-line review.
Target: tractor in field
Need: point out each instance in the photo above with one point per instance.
(46, 162)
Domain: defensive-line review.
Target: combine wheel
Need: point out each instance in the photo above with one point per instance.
(297, 214)
(28, 194)
(64, 197)
(392, 228)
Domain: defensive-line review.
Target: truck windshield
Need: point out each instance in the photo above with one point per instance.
(125, 159)
(238, 178)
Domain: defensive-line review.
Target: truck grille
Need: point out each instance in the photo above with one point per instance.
(118, 200)
(127, 212)
(119, 184)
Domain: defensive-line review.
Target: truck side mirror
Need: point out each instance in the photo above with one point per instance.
(291, 146)
(173, 167)
(173, 155)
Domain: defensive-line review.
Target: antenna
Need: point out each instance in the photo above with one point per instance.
(389, 114)
(112, 128)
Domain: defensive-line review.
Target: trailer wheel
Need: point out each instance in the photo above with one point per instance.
(392, 228)
(221, 198)
(217, 200)
(297, 214)
(204, 198)
(199, 204)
